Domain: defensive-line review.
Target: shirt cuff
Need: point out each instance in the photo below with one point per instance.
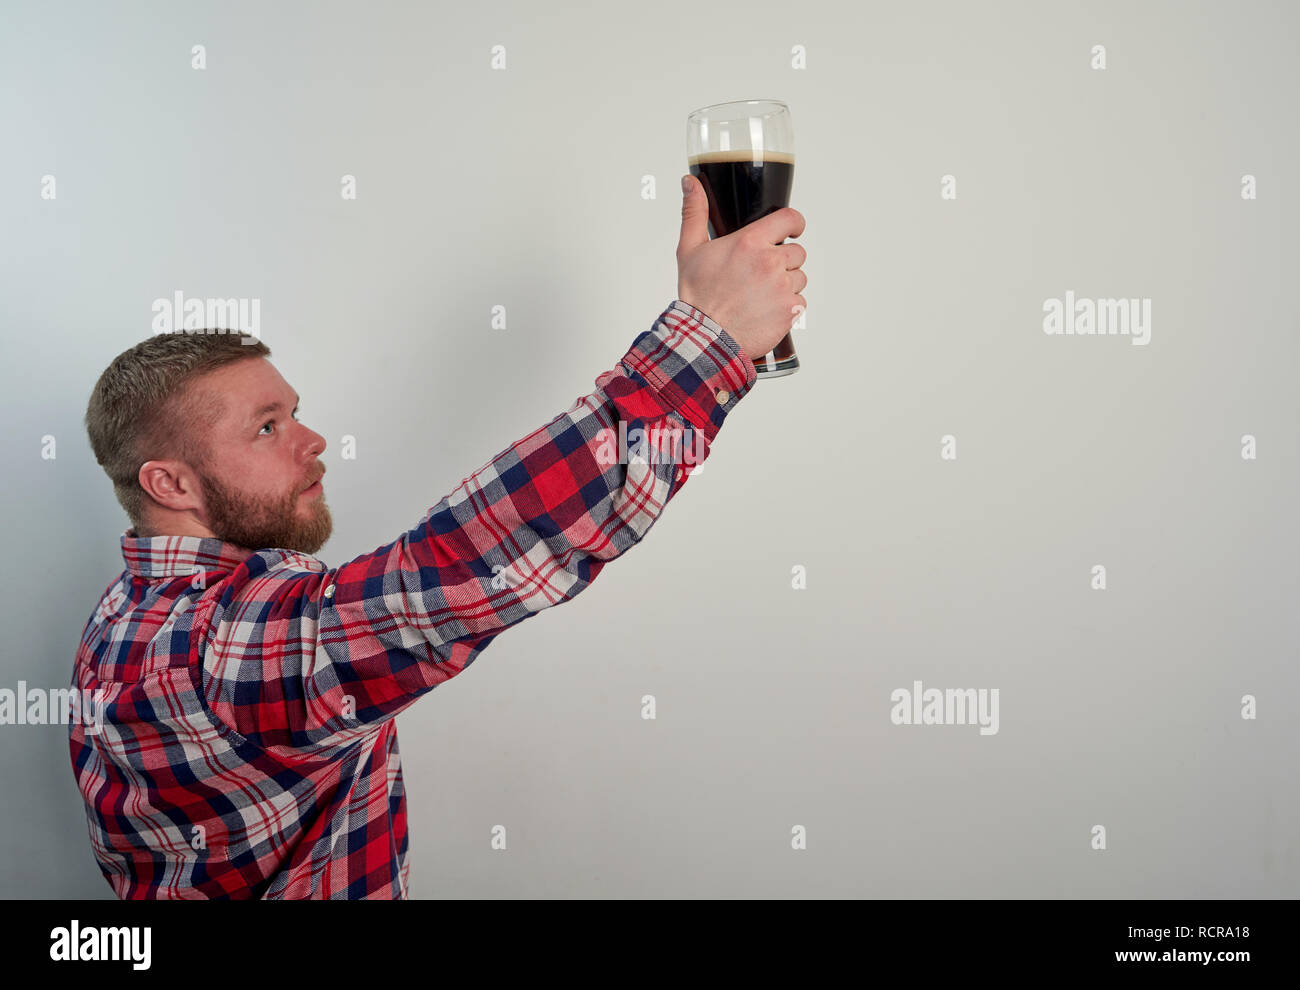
(694, 364)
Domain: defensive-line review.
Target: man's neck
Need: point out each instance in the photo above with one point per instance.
(184, 526)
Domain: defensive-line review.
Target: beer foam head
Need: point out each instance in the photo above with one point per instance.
(741, 155)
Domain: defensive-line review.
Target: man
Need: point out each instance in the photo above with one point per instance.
(247, 746)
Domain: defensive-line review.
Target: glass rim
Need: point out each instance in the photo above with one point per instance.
(781, 104)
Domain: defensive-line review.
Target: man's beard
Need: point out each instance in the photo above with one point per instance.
(262, 522)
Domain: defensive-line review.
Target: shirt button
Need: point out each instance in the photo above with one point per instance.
(723, 395)
(329, 592)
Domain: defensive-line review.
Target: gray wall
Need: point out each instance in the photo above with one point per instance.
(523, 188)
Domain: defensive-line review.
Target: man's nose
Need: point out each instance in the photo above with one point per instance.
(315, 444)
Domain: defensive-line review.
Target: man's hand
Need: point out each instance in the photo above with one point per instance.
(747, 282)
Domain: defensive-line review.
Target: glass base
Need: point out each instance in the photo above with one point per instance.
(767, 368)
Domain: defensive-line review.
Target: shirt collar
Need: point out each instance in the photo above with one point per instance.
(178, 556)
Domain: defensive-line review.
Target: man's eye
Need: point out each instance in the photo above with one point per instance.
(271, 422)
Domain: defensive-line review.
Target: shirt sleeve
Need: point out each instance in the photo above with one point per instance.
(306, 663)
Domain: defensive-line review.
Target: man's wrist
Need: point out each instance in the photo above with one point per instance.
(697, 368)
(710, 324)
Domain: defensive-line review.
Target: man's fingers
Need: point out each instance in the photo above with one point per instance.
(795, 255)
(776, 227)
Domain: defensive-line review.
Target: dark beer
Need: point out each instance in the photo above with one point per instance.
(741, 190)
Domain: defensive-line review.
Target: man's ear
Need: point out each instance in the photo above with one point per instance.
(172, 484)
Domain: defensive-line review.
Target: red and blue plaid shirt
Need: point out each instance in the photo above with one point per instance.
(247, 746)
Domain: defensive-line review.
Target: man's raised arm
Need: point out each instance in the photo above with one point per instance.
(302, 662)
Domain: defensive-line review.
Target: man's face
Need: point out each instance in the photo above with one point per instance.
(259, 463)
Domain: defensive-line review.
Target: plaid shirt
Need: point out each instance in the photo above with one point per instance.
(247, 747)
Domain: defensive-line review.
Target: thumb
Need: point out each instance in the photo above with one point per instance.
(695, 216)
